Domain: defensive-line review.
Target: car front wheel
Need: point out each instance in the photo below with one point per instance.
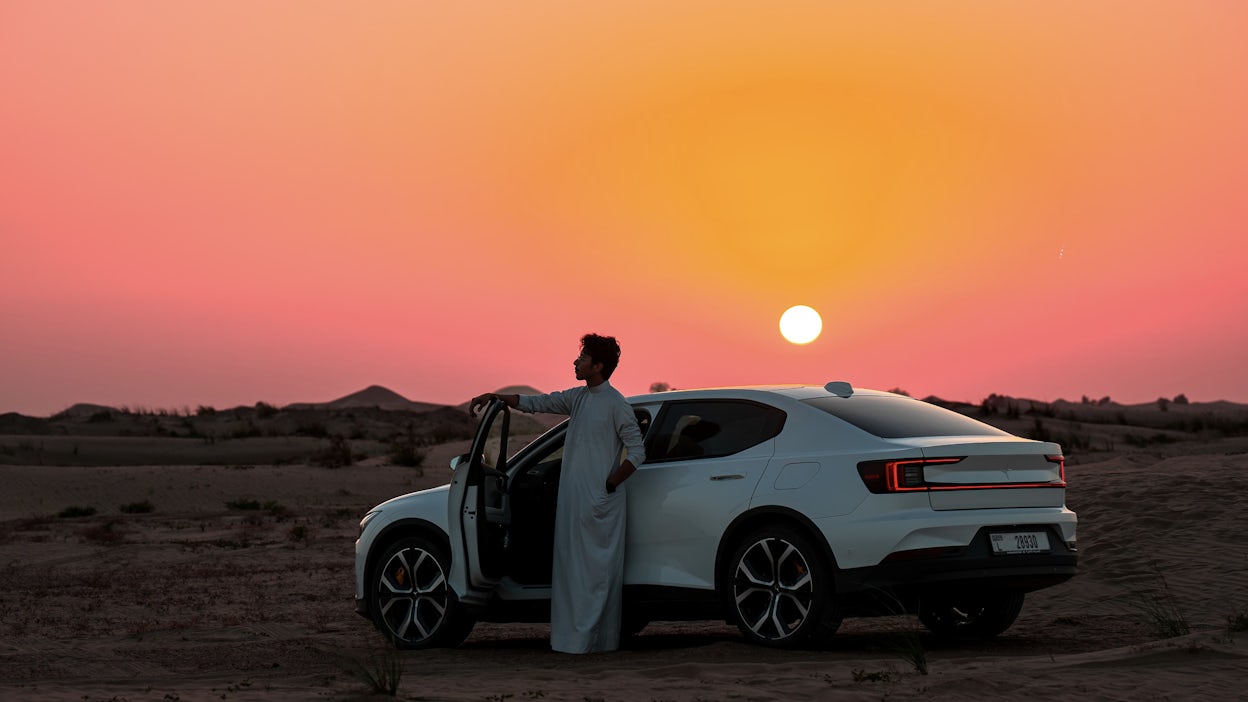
(780, 589)
(979, 615)
(412, 602)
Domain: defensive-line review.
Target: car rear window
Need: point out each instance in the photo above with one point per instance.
(901, 417)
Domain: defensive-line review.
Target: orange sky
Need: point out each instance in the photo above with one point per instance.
(225, 202)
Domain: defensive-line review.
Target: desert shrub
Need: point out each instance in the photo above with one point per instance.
(103, 533)
(232, 544)
(1237, 621)
(247, 430)
(861, 676)
(276, 509)
(273, 507)
(313, 428)
(1159, 609)
(297, 532)
(909, 648)
(76, 511)
(1155, 438)
(404, 449)
(406, 455)
(381, 672)
(144, 507)
(335, 455)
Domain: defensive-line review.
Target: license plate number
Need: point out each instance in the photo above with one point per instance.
(1020, 542)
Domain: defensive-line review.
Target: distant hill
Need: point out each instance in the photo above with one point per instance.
(371, 396)
(84, 409)
(374, 423)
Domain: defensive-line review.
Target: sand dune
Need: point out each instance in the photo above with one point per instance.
(204, 599)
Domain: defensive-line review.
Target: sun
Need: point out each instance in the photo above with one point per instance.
(800, 324)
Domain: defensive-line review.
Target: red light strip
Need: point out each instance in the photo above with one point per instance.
(893, 470)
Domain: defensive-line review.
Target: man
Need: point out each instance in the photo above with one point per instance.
(588, 578)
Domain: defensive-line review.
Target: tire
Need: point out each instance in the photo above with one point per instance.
(632, 623)
(779, 589)
(410, 599)
(974, 615)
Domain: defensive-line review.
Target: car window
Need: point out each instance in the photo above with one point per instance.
(543, 450)
(643, 421)
(710, 428)
(895, 417)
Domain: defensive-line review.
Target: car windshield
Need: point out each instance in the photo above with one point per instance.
(901, 417)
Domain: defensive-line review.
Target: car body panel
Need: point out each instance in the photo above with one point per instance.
(698, 499)
(477, 514)
(681, 511)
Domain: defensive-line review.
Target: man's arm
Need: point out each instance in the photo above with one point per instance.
(630, 434)
(620, 474)
(482, 400)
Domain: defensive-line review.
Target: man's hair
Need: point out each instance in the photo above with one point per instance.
(604, 350)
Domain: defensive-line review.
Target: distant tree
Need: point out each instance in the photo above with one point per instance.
(1180, 399)
(1163, 404)
(989, 405)
(205, 410)
(1104, 401)
(1000, 404)
(660, 387)
(899, 391)
(264, 410)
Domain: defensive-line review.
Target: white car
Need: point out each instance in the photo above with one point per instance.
(782, 509)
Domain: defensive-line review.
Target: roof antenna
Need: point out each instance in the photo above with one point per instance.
(840, 388)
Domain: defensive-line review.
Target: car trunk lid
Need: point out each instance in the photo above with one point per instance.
(993, 473)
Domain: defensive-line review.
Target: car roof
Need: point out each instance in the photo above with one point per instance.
(794, 391)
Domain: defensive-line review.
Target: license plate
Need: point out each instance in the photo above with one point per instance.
(1020, 542)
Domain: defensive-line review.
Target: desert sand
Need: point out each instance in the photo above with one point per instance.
(197, 600)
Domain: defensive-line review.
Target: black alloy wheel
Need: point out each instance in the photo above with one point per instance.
(411, 600)
(780, 589)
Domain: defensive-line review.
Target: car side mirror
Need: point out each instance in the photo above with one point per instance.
(456, 461)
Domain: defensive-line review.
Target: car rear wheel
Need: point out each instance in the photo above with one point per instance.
(780, 589)
(412, 602)
(974, 615)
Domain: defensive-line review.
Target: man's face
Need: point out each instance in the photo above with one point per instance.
(585, 367)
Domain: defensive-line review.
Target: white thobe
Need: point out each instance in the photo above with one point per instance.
(588, 578)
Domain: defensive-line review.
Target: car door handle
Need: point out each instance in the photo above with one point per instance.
(733, 476)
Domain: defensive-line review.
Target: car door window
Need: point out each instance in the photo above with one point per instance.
(711, 428)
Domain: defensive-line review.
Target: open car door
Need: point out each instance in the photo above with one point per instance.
(480, 509)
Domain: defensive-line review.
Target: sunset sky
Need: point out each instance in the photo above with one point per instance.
(219, 203)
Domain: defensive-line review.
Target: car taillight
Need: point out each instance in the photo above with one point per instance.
(1061, 466)
(904, 475)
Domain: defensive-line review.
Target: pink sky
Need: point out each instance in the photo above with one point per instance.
(221, 203)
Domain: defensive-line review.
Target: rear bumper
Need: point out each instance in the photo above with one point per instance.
(963, 568)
